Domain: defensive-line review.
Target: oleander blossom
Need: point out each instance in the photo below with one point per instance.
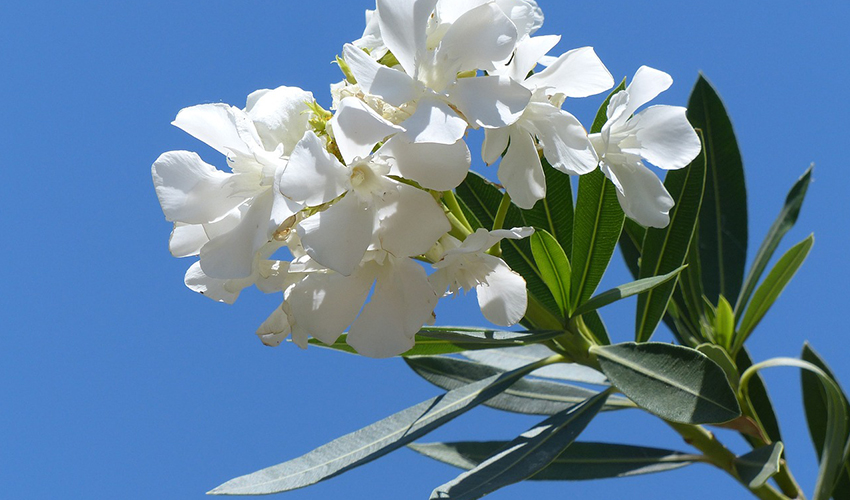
(659, 134)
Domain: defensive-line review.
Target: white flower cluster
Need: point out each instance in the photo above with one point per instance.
(356, 195)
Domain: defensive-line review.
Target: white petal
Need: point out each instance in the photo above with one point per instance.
(403, 301)
(391, 85)
(521, 171)
(645, 86)
(325, 304)
(281, 116)
(495, 142)
(275, 328)
(666, 138)
(231, 255)
(411, 222)
(190, 190)
(641, 194)
(217, 289)
(564, 140)
(490, 101)
(478, 39)
(434, 166)
(503, 299)
(434, 121)
(449, 10)
(403, 24)
(217, 125)
(313, 176)
(514, 233)
(527, 55)
(338, 237)
(357, 128)
(576, 73)
(187, 239)
(525, 14)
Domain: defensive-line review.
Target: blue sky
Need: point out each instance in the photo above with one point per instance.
(118, 382)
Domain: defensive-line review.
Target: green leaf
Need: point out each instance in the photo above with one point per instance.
(593, 321)
(721, 357)
(816, 406)
(480, 199)
(581, 461)
(783, 223)
(759, 399)
(759, 465)
(554, 213)
(627, 290)
(772, 286)
(724, 323)
(373, 441)
(529, 396)
(431, 341)
(832, 458)
(554, 267)
(598, 222)
(676, 383)
(525, 456)
(512, 358)
(631, 243)
(723, 219)
(666, 249)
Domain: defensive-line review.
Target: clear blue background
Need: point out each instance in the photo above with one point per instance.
(118, 382)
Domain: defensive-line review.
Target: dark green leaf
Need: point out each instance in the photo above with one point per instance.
(815, 404)
(431, 341)
(525, 456)
(598, 222)
(721, 357)
(623, 291)
(772, 286)
(759, 465)
(783, 223)
(554, 213)
(723, 219)
(554, 267)
(631, 243)
(676, 383)
(581, 461)
(530, 396)
(666, 249)
(371, 442)
(759, 399)
(593, 321)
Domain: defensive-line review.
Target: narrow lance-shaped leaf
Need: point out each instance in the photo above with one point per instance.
(431, 341)
(666, 249)
(759, 399)
(512, 358)
(597, 223)
(835, 432)
(816, 406)
(759, 465)
(621, 292)
(528, 395)
(554, 267)
(581, 461)
(554, 213)
(783, 223)
(723, 219)
(772, 286)
(373, 441)
(676, 383)
(525, 456)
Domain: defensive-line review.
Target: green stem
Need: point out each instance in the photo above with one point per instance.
(720, 456)
(458, 230)
(499, 222)
(454, 208)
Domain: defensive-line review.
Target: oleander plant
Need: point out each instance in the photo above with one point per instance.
(366, 214)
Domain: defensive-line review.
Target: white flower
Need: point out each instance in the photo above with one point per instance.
(367, 207)
(576, 73)
(226, 218)
(324, 303)
(659, 134)
(501, 292)
(427, 81)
